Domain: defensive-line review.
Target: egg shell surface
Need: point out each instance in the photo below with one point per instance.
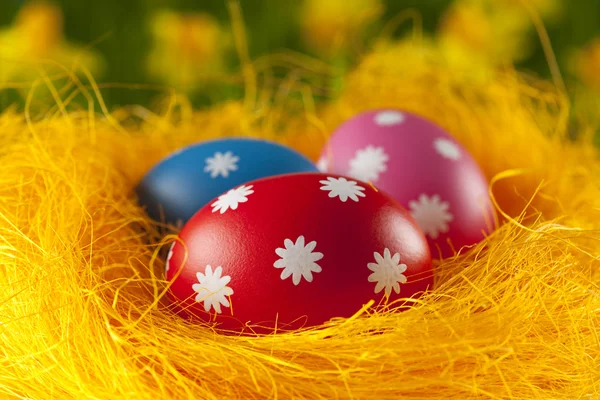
(299, 250)
(422, 167)
(183, 182)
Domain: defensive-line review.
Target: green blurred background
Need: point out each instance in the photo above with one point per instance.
(119, 31)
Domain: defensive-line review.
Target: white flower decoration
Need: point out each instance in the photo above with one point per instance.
(387, 272)
(342, 188)
(221, 164)
(323, 164)
(212, 289)
(368, 163)
(298, 260)
(431, 214)
(232, 199)
(447, 148)
(389, 118)
(169, 256)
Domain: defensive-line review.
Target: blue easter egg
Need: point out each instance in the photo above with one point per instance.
(182, 183)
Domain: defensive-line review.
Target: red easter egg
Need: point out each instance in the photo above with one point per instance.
(296, 250)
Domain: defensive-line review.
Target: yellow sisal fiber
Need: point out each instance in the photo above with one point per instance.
(82, 307)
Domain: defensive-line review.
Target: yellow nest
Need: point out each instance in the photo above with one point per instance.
(82, 307)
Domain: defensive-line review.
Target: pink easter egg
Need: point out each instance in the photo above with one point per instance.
(422, 167)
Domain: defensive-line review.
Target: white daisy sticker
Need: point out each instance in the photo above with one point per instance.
(232, 199)
(343, 188)
(169, 256)
(212, 289)
(221, 164)
(389, 118)
(298, 260)
(431, 214)
(322, 164)
(447, 148)
(368, 163)
(387, 272)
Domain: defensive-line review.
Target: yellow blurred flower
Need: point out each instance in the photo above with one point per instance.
(499, 34)
(40, 25)
(329, 26)
(586, 65)
(188, 48)
(419, 53)
(37, 35)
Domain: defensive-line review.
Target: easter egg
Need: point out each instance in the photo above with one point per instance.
(296, 250)
(422, 167)
(182, 183)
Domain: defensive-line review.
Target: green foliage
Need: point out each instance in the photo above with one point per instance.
(119, 30)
